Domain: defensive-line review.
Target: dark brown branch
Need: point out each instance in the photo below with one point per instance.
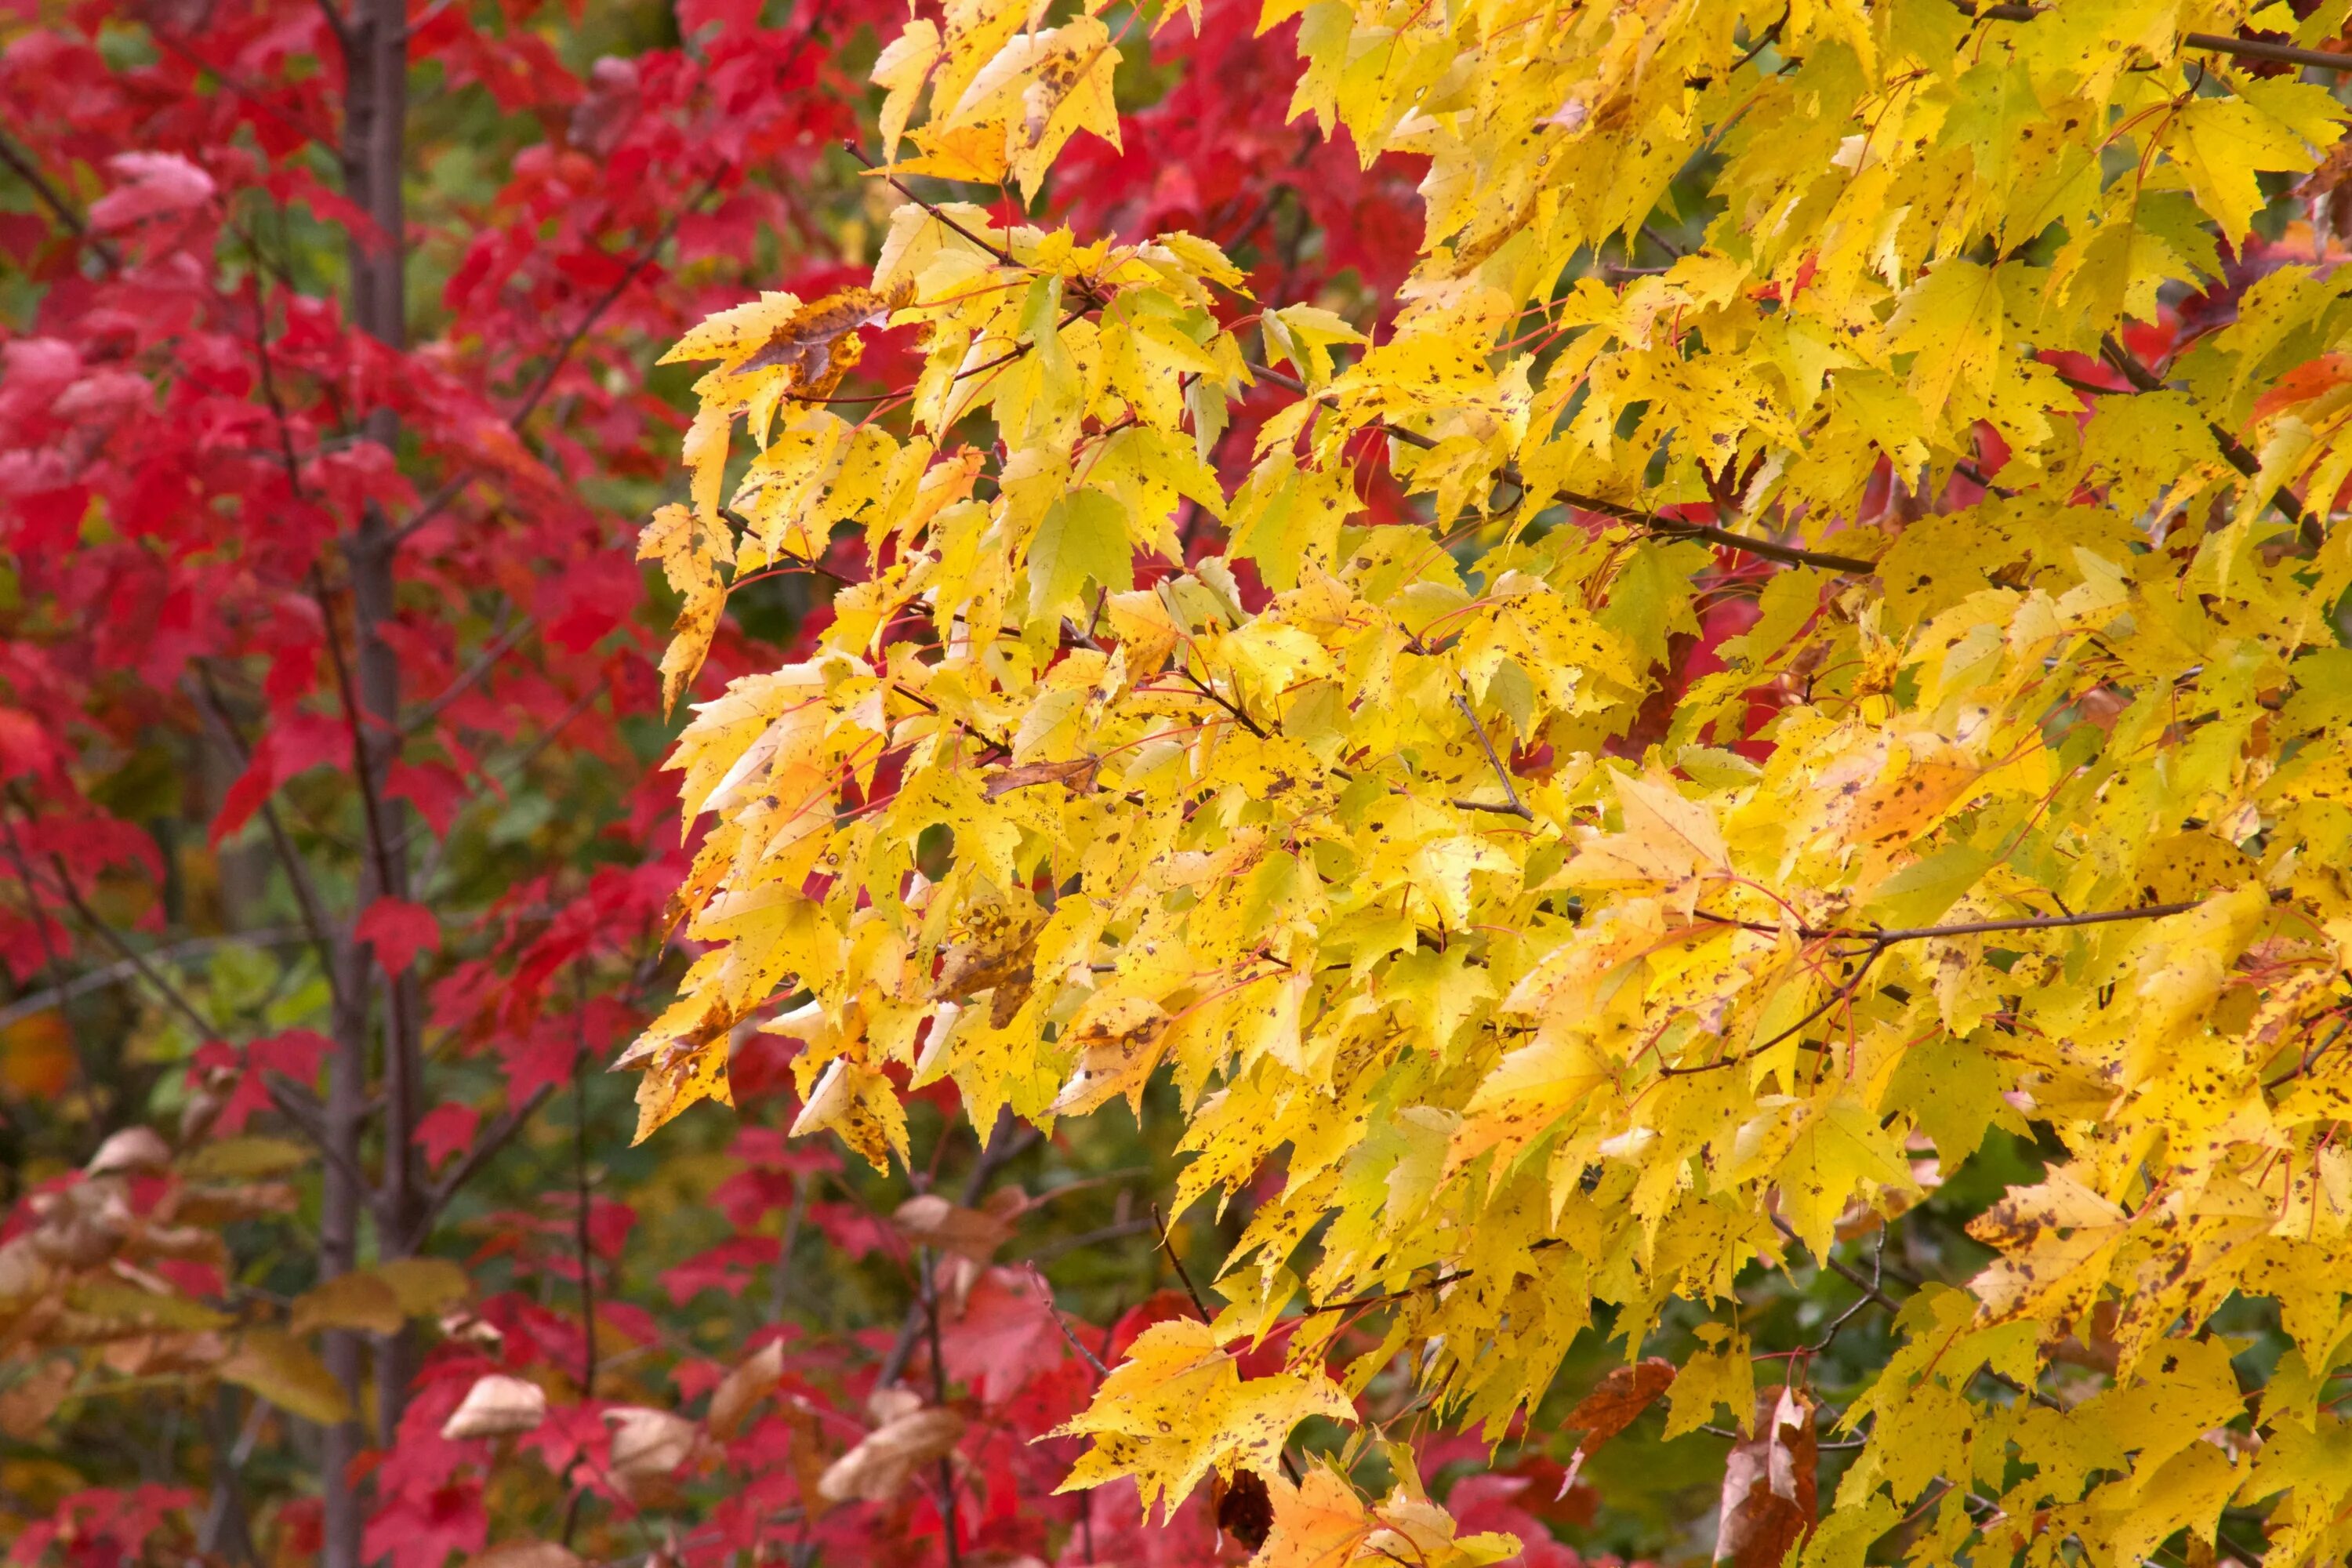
(643, 259)
(495, 1137)
(470, 677)
(1888, 936)
(301, 1108)
(155, 978)
(1077, 1345)
(998, 251)
(2211, 43)
(2307, 528)
(59, 208)
(114, 974)
(1007, 1141)
(1159, 1224)
(1670, 527)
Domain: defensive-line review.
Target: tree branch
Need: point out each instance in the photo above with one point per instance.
(2211, 43)
(59, 208)
(471, 676)
(298, 871)
(1888, 936)
(1515, 806)
(1672, 527)
(114, 974)
(1007, 1142)
(495, 1137)
(162, 985)
(2307, 528)
(643, 259)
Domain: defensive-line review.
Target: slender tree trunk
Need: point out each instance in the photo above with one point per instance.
(373, 34)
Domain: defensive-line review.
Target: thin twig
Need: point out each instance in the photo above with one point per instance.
(494, 1137)
(301, 1108)
(1514, 804)
(59, 208)
(940, 1398)
(1056, 1313)
(998, 251)
(1669, 527)
(1159, 1224)
(471, 676)
(1007, 1141)
(643, 259)
(114, 974)
(1884, 937)
(160, 983)
(2308, 529)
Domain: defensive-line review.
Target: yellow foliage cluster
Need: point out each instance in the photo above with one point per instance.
(2049, 828)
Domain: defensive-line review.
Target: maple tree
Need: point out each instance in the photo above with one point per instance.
(336, 861)
(1751, 764)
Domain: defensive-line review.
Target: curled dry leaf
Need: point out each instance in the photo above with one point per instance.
(649, 1448)
(818, 343)
(1770, 1484)
(134, 1151)
(930, 1220)
(807, 1456)
(527, 1554)
(1615, 1403)
(497, 1407)
(753, 1379)
(27, 1402)
(876, 1469)
(1076, 775)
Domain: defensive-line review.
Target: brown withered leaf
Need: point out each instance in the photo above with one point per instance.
(1770, 1484)
(1077, 775)
(819, 342)
(27, 1402)
(877, 1469)
(1615, 1403)
(133, 1150)
(649, 1449)
(807, 1457)
(496, 1407)
(741, 1391)
(930, 1220)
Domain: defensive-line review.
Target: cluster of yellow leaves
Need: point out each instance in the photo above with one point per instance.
(2050, 828)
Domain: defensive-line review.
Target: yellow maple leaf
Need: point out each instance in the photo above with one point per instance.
(1177, 1408)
